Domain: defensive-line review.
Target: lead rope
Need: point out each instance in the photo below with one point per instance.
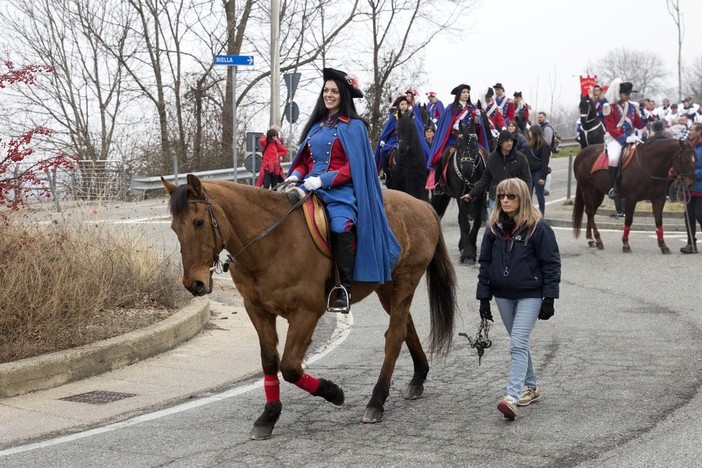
(481, 342)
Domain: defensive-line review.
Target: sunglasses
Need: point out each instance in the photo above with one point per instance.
(509, 196)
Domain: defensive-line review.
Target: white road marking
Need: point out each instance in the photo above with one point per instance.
(344, 322)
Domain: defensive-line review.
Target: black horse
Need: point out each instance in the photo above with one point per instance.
(407, 168)
(464, 165)
(591, 129)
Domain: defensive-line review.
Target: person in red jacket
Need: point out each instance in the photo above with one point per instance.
(621, 120)
(273, 151)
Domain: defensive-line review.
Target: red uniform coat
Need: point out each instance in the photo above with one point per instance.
(631, 121)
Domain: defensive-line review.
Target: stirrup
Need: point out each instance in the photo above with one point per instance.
(613, 193)
(347, 308)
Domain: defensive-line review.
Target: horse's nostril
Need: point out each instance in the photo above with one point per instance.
(198, 287)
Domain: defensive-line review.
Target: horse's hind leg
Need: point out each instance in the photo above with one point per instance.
(590, 210)
(415, 388)
(264, 324)
(395, 335)
(657, 207)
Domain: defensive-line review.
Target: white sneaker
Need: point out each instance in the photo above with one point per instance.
(508, 407)
(529, 395)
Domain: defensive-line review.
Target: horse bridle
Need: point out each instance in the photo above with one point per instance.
(462, 159)
(216, 263)
(678, 155)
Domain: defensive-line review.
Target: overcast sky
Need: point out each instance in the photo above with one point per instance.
(525, 44)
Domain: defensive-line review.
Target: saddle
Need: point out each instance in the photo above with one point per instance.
(318, 223)
(602, 161)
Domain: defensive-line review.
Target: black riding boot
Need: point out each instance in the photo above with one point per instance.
(345, 257)
(613, 192)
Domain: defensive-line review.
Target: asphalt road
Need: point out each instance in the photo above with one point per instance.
(619, 366)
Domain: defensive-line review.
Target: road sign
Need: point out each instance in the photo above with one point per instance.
(252, 145)
(292, 114)
(234, 60)
(291, 81)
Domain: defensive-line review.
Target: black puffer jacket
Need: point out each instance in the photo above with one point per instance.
(526, 264)
(499, 168)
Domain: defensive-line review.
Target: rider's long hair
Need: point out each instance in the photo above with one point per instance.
(527, 214)
(320, 111)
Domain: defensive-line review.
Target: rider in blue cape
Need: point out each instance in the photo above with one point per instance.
(335, 160)
(388, 142)
(461, 110)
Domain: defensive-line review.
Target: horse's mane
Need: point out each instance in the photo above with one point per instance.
(407, 135)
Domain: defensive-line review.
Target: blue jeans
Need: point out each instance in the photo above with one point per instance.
(535, 186)
(519, 317)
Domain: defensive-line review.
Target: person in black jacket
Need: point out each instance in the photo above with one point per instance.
(503, 163)
(520, 140)
(539, 157)
(520, 267)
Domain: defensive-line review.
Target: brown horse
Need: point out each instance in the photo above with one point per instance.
(645, 178)
(212, 216)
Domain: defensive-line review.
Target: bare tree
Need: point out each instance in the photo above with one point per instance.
(674, 12)
(399, 31)
(693, 77)
(84, 100)
(644, 69)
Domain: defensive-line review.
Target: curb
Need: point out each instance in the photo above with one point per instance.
(58, 368)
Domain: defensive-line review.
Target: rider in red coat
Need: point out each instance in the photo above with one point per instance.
(493, 112)
(621, 119)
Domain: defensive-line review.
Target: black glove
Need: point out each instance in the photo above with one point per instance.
(485, 310)
(546, 311)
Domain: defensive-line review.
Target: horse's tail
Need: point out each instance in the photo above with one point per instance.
(441, 285)
(578, 208)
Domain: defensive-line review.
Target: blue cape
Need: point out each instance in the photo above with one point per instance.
(389, 136)
(377, 249)
(443, 131)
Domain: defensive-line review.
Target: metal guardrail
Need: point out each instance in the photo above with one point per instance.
(143, 184)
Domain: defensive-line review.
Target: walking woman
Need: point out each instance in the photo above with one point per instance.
(336, 161)
(694, 203)
(273, 151)
(520, 267)
(539, 156)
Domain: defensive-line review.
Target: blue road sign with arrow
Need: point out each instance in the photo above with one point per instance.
(234, 60)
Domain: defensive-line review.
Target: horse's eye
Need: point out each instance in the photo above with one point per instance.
(199, 223)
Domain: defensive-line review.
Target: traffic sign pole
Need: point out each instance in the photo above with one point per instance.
(232, 61)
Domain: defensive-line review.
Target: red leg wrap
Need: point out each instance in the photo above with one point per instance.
(271, 385)
(626, 232)
(659, 232)
(308, 383)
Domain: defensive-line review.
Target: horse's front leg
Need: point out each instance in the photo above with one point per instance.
(394, 337)
(264, 323)
(472, 247)
(657, 208)
(301, 325)
(464, 227)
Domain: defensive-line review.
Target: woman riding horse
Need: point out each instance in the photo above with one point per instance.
(335, 160)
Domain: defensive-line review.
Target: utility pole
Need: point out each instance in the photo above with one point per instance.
(275, 62)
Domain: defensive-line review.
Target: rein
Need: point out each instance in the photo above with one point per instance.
(652, 177)
(217, 265)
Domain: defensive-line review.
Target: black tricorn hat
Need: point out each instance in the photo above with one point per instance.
(457, 90)
(490, 92)
(399, 99)
(517, 94)
(499, 85)
(351, 82)
(626, 88)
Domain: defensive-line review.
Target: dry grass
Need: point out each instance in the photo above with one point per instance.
(67, 286)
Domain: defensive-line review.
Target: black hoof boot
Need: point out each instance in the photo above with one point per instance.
(263, 427)
(330, 392)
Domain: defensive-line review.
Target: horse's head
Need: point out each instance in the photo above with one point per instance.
(586, 107)
(467, 152)
(684, 163)
(195, 223)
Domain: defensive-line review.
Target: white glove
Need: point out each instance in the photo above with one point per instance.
(313, 183)
(382, 143)
(633, 139)
(292, 178)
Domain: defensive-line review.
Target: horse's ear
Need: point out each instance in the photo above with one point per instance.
(170, 187)
(479, 105)
(194, 186)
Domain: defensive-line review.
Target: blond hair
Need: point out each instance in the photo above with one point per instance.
(527, 214)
